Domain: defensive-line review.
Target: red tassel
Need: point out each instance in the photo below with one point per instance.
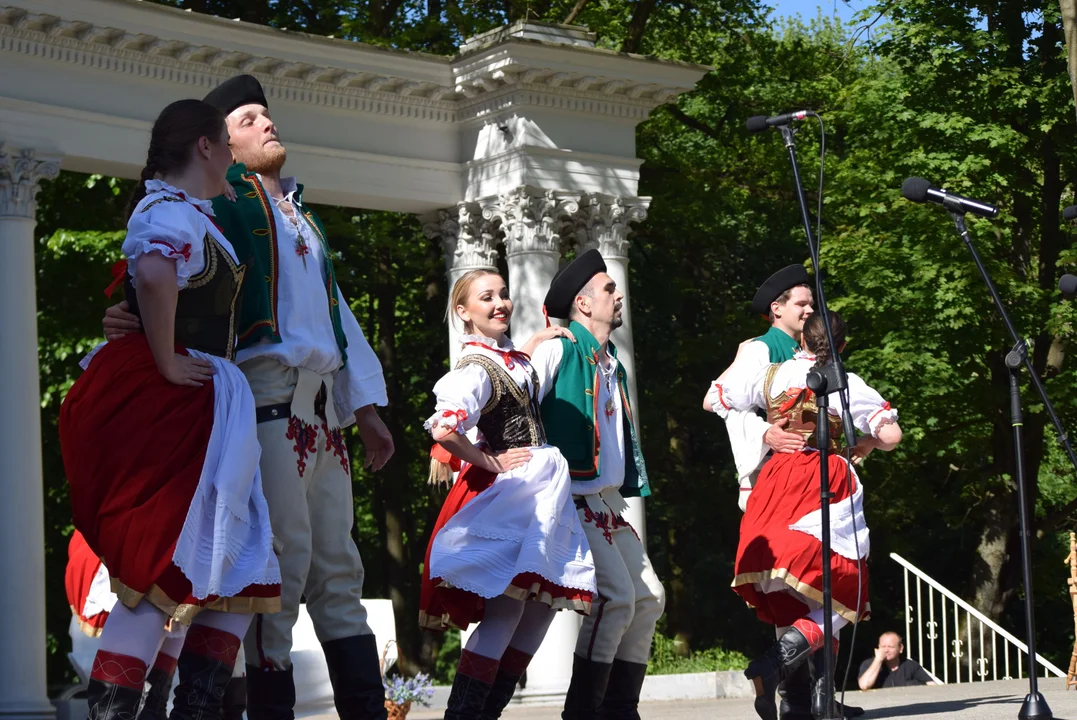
(119, 271)
(546, 315)
(437, 452)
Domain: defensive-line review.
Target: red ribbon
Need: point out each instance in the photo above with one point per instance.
(445, 457)
(119, 271)
(508, 357)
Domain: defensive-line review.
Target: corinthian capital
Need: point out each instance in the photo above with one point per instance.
(467, 238)
(603, 222)
(532, 219)
(20, 179)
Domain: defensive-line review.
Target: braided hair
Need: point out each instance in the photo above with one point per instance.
(814, 337)
(176, 130)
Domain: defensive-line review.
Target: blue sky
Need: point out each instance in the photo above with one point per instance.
(809, 8)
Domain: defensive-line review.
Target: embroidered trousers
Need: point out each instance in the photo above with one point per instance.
(306, 477)
(630, 596)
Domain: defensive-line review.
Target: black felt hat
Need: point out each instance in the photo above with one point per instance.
(235, 92)
(776, 284)
(569, 280)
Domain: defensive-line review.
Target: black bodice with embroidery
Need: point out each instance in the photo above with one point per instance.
(207, 307)
(511, 417)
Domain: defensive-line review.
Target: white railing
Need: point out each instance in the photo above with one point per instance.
(952, 660)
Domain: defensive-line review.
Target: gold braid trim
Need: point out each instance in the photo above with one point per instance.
(184, 613)
(794, 583)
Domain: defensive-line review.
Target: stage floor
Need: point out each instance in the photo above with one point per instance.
(979, 701)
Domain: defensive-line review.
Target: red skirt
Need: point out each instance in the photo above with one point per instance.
(442, 607)
(82, 566)
(133, 446)
(787, 560)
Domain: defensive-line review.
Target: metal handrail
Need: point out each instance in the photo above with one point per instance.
(916, 647)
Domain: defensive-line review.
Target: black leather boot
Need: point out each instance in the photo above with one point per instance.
(796, 694)
(778, 663)
(467, 698)
(155, 701)
(270, 694)
(587, 689)
(355, 673)
(500, 694)
(818, 689)
(200, 693)
(235, 698)
(109, 701)
(622, 693)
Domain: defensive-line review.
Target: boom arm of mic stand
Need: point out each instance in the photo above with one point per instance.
(1063, 438)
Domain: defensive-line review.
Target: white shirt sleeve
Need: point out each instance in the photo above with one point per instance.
(174, 229)
(869, 410)
(547, 361)
(461, 395)
(744, 427)
(360, 382)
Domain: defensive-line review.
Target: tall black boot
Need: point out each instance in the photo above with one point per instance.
(778, 663)
(109, 701)
(796, 694)
(818, 690)
(235, 698)
(587, 689)
(467, 698)
(270, 694)
(622, 693)
(500, 694)
(200, 693)
(355, 673)
(155, 701)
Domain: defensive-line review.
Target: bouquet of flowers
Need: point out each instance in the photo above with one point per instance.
(401, 693)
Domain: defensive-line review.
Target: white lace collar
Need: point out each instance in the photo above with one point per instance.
(488, 342)
(155, 185)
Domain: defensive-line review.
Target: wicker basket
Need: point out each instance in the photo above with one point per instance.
(397, 712)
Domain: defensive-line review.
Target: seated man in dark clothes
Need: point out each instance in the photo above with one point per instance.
(887, 669)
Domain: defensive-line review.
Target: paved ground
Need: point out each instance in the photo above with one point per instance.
(980, 701)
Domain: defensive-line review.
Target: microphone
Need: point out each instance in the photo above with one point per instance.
(920, 190)
(759, 123)
(1069, 213)
(1068, 286)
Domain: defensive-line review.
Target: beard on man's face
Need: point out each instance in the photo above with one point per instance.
(263, 159)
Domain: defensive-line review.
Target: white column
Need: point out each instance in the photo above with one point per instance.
(22, 512)
(469, 244)
(531, 220)
(602, 223)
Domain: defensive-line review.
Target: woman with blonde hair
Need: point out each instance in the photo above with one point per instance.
(508, 549)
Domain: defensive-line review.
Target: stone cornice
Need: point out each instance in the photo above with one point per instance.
(165, 44)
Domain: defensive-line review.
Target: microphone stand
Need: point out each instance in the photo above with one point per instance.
(1035, 706)
(822, 382)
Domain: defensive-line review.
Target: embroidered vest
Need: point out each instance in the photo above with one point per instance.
(207, 307)
(802, 411)
(570, 407)
(511, 417)
(248, 225)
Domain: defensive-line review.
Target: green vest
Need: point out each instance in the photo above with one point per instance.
(570, 407)
(781, 346)
(248, 224)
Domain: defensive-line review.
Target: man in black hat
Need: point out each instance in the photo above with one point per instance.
(312, 373)
(786, 300)
(587, 416)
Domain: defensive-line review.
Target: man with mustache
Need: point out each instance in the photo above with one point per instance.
(587, 416)
(312, 373)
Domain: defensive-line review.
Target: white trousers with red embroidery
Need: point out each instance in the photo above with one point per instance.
(630, 595)
(306, 478)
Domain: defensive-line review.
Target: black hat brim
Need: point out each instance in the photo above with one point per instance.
(569, 280)
(788, 277)
(237, 92)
